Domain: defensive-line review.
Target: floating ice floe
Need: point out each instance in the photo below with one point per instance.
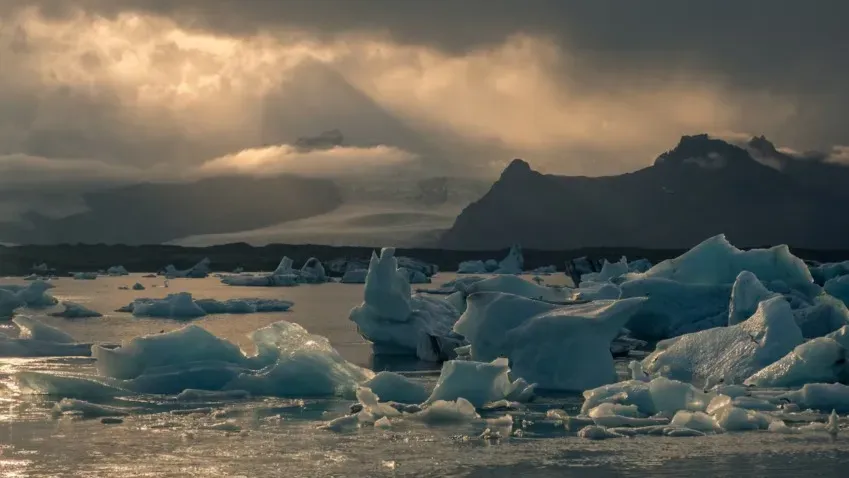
(479, 383)
(544, 270)
(33, 295)
(283, 276)
(289, 362)
(731, 354)
(397, 388)
(36, 339)
(398, 323)
(183, 306)
(556, 347)
(84, 275)
(75, 311)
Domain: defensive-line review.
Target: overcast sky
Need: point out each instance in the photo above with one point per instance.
(112, 90)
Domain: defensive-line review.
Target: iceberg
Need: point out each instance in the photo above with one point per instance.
(512, 284)
(290, 362)
(84, 275)
(716, 261)
(729, 354)
(675, 308)
(820, 396)
(513, 263)
(75, 311)
(36, 339)
(355, 276)
(823, 273)
(639, 265)
(301, 365)
(182, 306)
(117, 271)
(398, 323)
(421, 267)
(479, 383)
(544, 270)
(746, 294)
(822, 360)
(9, 303)
(198, 271)
(824, 316)
(661, 396)
(414, 276)
(838, 288)
(393, 387)
(271, 280)
(283, 276)
(609, 271)
(313, 272)
(13, 297)
(557, 347)
(443, 412)
(472, 267)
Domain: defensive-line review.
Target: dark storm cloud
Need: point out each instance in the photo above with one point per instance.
(785, 47)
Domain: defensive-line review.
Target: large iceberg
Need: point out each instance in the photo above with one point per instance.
(716, 261)
(556, 347)
(398, 323)
(36, 339)
(729, 354)
(183, 306)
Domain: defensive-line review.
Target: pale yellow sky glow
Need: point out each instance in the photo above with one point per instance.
(517, 98)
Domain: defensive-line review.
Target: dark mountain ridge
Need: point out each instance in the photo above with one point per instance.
(153, 213)
(702, 187)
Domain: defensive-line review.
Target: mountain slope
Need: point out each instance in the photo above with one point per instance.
(702, 187)
(153, 213)
(397, 211)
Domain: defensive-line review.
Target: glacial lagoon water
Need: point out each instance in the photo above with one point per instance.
(278, 437)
